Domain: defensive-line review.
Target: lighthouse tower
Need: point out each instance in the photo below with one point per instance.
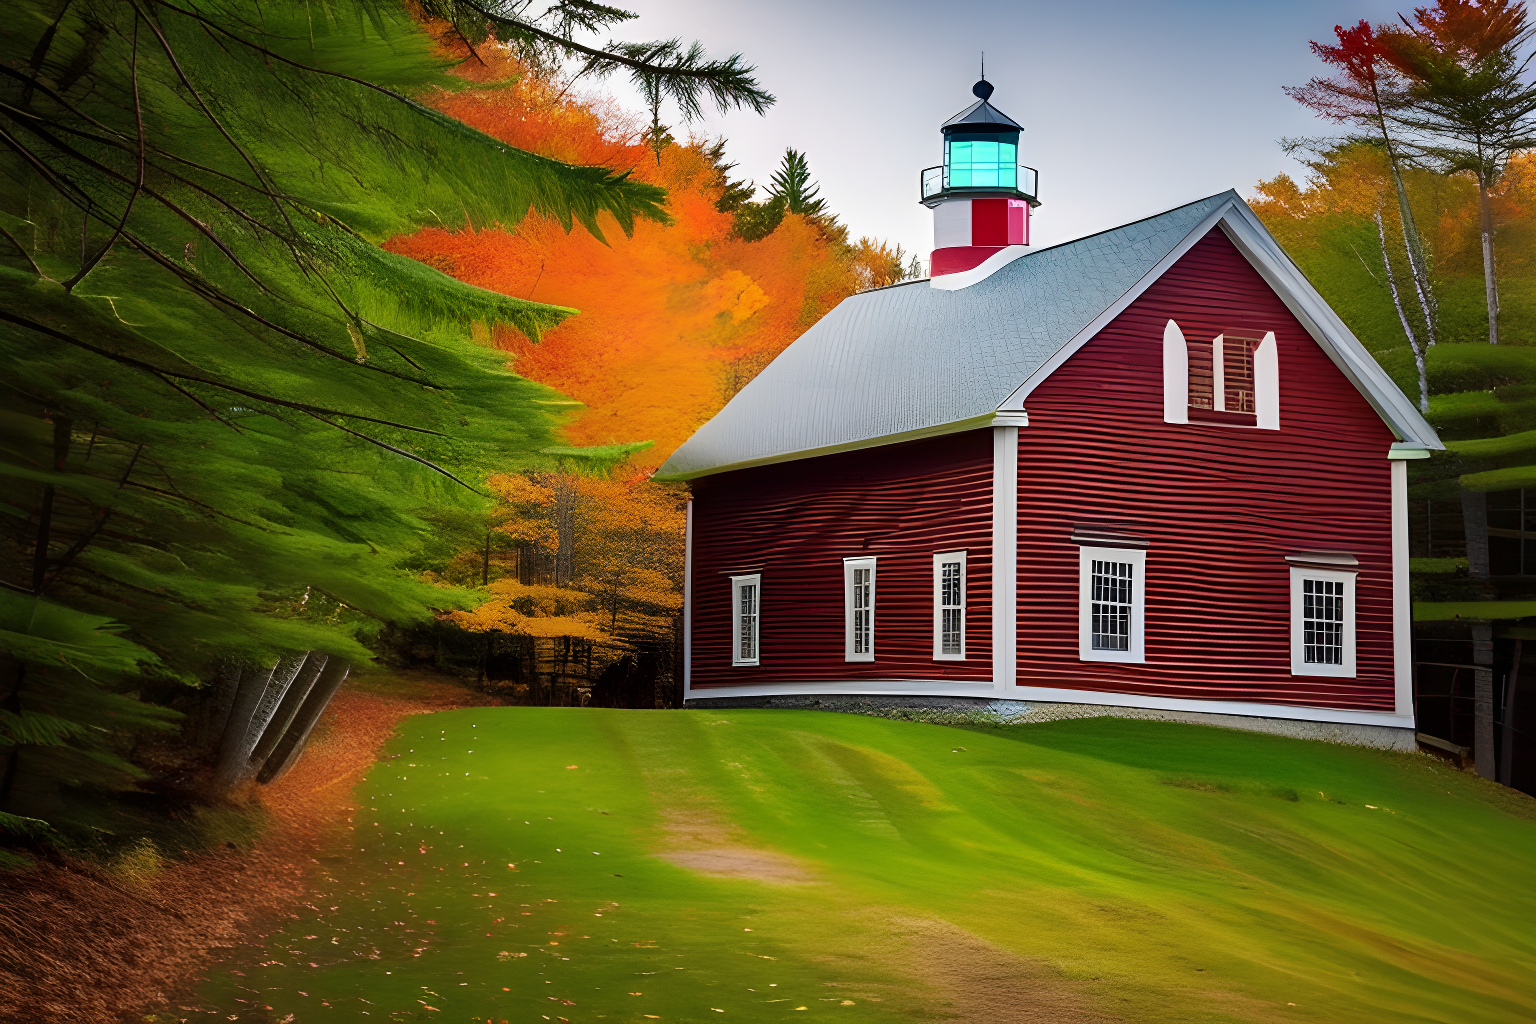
(980, 195)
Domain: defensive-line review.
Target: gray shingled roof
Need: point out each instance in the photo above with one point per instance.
(913, 360)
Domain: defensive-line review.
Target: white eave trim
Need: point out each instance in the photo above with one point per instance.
(1253, 240)
(1103, 320)
(983, 270)
(1264, 254)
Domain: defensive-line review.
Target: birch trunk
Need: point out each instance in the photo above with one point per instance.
(1418, 266)
(1490, 273)
(296, 736)
(1413, 341)
(293, 699)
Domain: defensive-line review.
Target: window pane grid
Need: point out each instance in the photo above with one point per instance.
(983, 164)
(1112, 583)
(862, 611)
(1322, 622)
(951, 640)
(1237, 374)
(747, 620)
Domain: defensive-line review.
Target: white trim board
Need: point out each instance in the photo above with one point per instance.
(1402, 599)
(1061, 695)
(688, 598)
(1052, 695)
(873, 687)
(1005, 554)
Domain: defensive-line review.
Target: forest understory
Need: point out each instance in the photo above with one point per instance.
(85, 944)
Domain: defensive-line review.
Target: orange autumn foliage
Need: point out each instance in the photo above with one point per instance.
(673, 319)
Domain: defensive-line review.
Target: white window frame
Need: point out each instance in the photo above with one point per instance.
(849, 565)
(1137, 558)
(940, 560)
(737, 582)
(1299, 665)
(1266, 379)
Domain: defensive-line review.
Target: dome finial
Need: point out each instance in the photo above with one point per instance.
(982, 89)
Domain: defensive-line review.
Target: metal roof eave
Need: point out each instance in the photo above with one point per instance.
(989, 419)
(1248, 234)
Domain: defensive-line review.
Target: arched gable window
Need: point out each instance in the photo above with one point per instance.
(1233, 379)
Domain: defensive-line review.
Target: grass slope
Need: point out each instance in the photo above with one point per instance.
(865, 869)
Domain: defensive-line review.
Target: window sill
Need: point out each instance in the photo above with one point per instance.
(1325, 671)
(1124, 657)
(949, 657)
(1230, 419)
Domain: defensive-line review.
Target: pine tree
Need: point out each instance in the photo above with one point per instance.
(231, 418)
(792, 183)
(1468, 101)
(790, 190)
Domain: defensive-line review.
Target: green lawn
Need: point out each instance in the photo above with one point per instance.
(858, 869)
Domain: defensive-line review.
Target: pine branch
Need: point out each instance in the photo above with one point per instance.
(242, 392)
(685, 75)
(138, 185)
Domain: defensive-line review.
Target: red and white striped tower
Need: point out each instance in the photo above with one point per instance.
(980, 195)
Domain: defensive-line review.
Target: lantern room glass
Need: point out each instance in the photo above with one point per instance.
(975, 160)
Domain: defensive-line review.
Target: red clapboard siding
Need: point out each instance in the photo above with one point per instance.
(1221, 505)
(796, 522)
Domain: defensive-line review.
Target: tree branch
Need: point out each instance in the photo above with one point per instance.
(138, 185)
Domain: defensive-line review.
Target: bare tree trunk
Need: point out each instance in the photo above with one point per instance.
(293, 699)
(253, 710)
(1413, 341)
(1482, 699)
(225, 686)
(297, 735)
(1507, 757)
(16, 669)
(1474, 523)
(1418, 265)
(565, 528)
(253, 683)
(1490, 274)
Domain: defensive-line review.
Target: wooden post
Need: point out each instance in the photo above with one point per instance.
(1482, 699)
(1507, 768)
(1474, 520)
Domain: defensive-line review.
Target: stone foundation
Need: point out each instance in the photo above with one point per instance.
(985, 711)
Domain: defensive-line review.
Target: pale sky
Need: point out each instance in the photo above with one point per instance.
(1128, 108)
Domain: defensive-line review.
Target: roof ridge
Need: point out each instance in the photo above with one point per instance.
(1131, 223)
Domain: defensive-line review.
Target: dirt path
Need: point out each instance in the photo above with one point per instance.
(78, 946)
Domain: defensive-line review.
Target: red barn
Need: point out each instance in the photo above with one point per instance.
(1147, 468)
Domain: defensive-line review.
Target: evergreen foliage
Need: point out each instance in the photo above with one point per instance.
(233, 423)
(1467, 105)
(790, 190)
